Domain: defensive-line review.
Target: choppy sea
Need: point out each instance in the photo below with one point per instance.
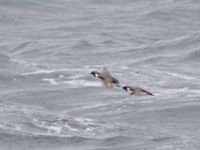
(50, 101)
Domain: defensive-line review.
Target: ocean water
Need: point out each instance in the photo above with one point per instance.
(49, 100)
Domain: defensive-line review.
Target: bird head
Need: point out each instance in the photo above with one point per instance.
(95, 73)
(124, 87)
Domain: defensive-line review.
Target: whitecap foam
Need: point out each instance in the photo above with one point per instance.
(73, 83)
(82, 83)
(61, 76)
(84, 121)
(70, 128)
(48, 71)
(66, 126)
(51, 128)
(42, 72)
(51, 81)
(76, 76)
(55, 129)
(124, 67)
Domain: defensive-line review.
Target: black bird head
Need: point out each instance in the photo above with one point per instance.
(95, 73)
(125, 87)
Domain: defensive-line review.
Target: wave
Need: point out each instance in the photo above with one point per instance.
(75, 77)
(182, 76)
(113, 2)
(193, 56)
(70, 126)
(42, 72)
(73, 83)
(47, 124)
(175, 50)
(83, 44)
(20, 47)
(70, 70)
(45, 141)
(4, 58)
(62, 125)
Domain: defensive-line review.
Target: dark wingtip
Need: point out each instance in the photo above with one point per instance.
(150, 94)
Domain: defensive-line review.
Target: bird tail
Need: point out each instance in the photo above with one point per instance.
(148, 93)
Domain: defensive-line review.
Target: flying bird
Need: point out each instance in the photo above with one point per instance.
(106, 77)
(136, 91)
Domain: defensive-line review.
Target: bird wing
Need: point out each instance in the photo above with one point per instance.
(147, 92)
(105, 72)
(108, 80)
(107, 84)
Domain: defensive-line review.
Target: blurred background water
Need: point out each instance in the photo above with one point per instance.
(48, 99)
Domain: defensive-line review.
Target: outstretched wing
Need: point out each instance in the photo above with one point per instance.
(107, 84)
(147, 92)
(105, 72)
(108, 79)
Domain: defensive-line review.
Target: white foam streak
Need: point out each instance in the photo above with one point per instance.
(181, 76)
(54, 70)
(79, 83)
(73, 83)
(51, 81)
(42, 72)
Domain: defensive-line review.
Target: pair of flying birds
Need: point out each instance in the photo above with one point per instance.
(108, 80)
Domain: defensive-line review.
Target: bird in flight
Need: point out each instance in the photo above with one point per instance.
(106, 77)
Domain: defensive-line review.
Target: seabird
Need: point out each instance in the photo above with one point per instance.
(106, 77)
(136, 91)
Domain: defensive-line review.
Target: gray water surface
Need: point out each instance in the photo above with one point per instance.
(49, 100)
